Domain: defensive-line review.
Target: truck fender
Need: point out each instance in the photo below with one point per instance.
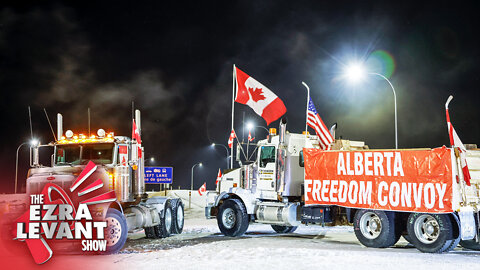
(247, 198)
(116, 205)
(159, 203)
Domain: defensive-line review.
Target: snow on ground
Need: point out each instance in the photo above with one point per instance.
(201, 246)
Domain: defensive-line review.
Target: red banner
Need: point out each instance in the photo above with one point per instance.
(400, 180)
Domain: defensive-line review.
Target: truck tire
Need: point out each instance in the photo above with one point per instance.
(408, 238)
(116, 231)
(470, 244)
(375, 228)
(164, 229)
(430, 233)
(232, 218)
(284, 229)
(150, 232)
(454, 244)
(177, 216)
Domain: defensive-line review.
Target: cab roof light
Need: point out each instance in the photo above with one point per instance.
(69, 134)
(101, 133)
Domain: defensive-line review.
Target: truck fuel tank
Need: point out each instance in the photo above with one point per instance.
(278, 213)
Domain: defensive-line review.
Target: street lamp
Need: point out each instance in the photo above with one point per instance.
(33, 142)
(356, 72)
(152, 159)
(216, 144)
(191, 185)
(251, 126)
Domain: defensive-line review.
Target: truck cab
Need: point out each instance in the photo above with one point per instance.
(120, 164)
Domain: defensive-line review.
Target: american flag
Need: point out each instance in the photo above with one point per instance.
(314, 121)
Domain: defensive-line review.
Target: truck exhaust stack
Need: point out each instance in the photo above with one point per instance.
(283, 130)
(140, 181)
(60, 126)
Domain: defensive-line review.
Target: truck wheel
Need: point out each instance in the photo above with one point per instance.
(177, 216)
(232, 218)
(375, 228)
(117, 230)
(165, 228)
(430, 233)
(284, 229)
(470, 244)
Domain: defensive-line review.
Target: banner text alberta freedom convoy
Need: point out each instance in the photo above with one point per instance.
(414, 180)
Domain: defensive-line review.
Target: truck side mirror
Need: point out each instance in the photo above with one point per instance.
(301, 162)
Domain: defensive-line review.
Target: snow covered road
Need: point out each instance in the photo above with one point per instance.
(201, 246)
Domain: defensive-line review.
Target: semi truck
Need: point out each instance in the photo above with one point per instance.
(420, 194)
(121, 166)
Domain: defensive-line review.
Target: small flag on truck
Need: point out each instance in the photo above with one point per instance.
(219, 177)
(202, 189)
(456, 142)
(136, 136)
(250, 137)
(231, 138)
(314, 121)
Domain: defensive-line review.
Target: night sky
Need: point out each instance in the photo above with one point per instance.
(174, 60)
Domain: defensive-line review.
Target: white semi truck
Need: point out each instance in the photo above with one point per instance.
(116, 156)
(416, 193)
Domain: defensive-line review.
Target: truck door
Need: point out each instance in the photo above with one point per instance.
(266, 168)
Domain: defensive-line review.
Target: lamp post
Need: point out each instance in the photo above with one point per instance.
(33, 142)
(306, 112)
(191, 185)
(356, 72)
(226, 149)
(395, 102)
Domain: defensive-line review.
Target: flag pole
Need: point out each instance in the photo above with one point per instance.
(233, 110)
(306, 112)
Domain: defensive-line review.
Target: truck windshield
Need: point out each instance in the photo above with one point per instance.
(100, 153)
(267, 155)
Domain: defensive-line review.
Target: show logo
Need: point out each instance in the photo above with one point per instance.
(71, 220)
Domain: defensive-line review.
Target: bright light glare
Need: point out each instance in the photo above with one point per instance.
(355, 72)
(213, 144)
(201, 164)
(152, 159)
(250, 125)
(34, 142)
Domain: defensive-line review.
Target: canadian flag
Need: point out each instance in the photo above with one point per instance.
(230, 139)
(258, 97)
(456, 142)
(136, 136)
(202, 189)
(250, 137)
(219, 177)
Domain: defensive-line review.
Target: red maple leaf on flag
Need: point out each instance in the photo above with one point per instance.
(257, 94)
